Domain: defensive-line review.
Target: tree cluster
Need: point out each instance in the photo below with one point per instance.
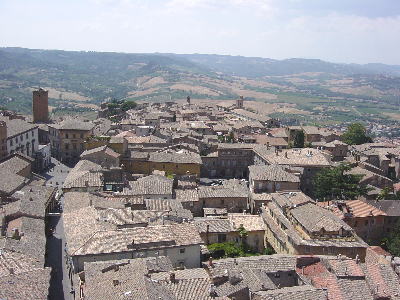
(356, 134)
(336, 183)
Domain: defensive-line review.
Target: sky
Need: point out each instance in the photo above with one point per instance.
(347, 31)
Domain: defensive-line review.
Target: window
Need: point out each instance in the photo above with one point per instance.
(73, 136)
(221, 238)
(81, 135)
(26, 135)
(66, 135)
(66, 146)
(182, 250)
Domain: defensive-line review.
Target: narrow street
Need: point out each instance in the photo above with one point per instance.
(60, 285)
(56, 174)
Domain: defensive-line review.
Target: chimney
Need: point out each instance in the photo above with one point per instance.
(213, 292)
(115, 282)
(210, 262)
(357, 259)
(172, 277)
(11, 270)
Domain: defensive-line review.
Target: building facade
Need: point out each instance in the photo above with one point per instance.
(67, 139)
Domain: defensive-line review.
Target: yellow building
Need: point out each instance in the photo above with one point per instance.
(67, 139)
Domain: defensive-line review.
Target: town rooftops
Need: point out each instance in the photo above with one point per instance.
(322, 219)
(22, 278)
(268, 263)
(294, 157)
(84, 174)
(73, 124)
(31, 200)
(251, 115)
(78, 200)
(221, 192)
(318, 130)
(345, 278)
(389, 207)
(126, 279)
(272, 173)
(187, 284)
(352, 208)
(305, 292)
(251, 124)
(85, 236)
(104, 149)
(298, 239)
(171, 156)
(291, 199)
(10, 179)
(150, 185)
(32, 240)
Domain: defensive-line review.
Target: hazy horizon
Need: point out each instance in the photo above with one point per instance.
(351, 31)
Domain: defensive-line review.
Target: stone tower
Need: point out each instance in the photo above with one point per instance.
(40, 106)
(239, 102)
(3, 139)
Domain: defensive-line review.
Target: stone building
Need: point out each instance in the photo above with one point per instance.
(67, 139)
(229, 161)
(307, 161)
(90, 239)
(296, 225)
(226, 229)
(103, 155)
(272, 178)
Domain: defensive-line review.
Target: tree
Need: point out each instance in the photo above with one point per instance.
(298, 139)
(384, 193)
(242, 233)
(392, 242)
(127, 105)
(356, 134)
(335, 183)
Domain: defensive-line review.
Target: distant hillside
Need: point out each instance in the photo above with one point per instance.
(79, 81)
(259, 67)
